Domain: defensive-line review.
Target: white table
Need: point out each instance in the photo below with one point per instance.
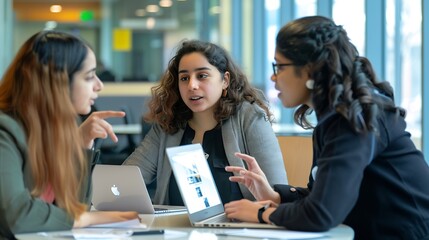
(177, 226)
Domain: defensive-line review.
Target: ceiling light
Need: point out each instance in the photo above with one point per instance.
(55, 8)
(165, 3)
(152, 8)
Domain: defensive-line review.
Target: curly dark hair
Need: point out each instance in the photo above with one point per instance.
(343, 81)
(167, 107)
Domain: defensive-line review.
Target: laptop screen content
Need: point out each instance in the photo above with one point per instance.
(195, 180)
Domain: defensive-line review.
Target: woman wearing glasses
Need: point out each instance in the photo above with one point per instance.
(366, 171)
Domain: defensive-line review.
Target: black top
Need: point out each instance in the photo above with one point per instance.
(376, 184)
(213, 147)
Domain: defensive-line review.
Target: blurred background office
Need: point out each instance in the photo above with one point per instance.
(134, 39)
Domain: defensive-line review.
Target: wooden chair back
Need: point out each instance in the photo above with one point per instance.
(297, 157)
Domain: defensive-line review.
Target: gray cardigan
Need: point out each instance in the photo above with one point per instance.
(248, 131)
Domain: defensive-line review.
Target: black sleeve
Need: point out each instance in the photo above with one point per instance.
(337, 180)
(290, 193)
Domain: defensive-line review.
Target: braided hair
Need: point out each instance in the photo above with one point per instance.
(344, 82)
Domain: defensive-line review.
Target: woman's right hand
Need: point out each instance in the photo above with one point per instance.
(253, 178)
(102, 217)
(96, 126)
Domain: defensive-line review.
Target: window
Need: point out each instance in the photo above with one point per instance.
(404, 60)
(305, 8)
(351, 15)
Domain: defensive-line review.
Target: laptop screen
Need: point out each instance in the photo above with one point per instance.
(193, 177)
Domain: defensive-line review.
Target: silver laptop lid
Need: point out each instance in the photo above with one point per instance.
(195, 182)
(120, 188)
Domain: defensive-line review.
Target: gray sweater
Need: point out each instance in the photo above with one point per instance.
(248, 131)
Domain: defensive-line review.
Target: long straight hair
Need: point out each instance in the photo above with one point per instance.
(35, 90)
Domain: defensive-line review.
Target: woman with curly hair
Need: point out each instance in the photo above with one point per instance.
(203, 97)
(366, 171)
(45, 156)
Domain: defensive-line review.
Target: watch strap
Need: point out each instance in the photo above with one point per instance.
(261, 211)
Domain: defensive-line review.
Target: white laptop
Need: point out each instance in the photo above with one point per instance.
(198, 189)
(122, 188)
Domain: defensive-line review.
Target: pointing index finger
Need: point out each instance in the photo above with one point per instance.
(109, 114)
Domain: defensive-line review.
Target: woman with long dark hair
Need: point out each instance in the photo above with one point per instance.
(366, 171)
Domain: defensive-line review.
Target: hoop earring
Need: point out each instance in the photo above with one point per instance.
(310, 84)
(224, 92)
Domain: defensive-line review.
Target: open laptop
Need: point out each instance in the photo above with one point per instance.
(122, 188)
(198, 189)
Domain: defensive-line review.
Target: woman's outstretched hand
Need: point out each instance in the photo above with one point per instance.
(253, 178)
(95, 126)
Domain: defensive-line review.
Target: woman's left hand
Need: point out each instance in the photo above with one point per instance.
(95, 126)
(247, 211)
(253, 178)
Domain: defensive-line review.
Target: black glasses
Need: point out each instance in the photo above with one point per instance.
(277, 65)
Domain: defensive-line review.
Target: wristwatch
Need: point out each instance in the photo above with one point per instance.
(262, 210)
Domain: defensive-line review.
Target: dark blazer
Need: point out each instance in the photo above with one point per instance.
(377, 184)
